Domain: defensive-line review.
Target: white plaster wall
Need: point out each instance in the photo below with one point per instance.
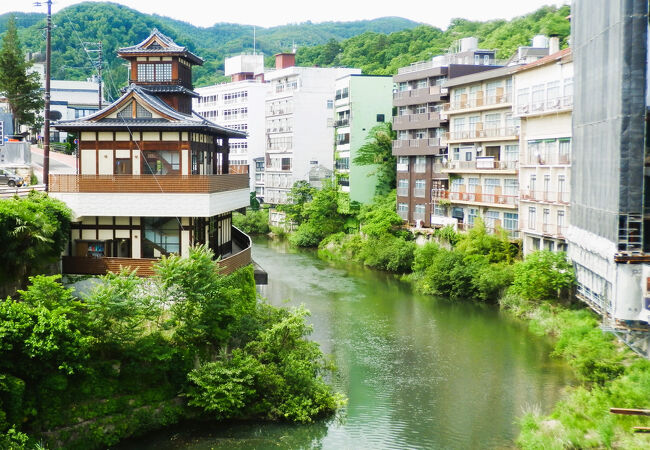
(88, 162)
(154, 205)
(106, 162)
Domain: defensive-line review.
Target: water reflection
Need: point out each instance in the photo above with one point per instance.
(418, 372)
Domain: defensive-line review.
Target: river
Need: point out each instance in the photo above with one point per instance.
(418, 372)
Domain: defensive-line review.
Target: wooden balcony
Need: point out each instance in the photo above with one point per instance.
(181, 184)
(81, 265)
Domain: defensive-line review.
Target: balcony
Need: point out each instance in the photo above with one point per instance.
(545, 196)
(342, 122)
(421, 120)
(420, 95)
(465, 104)
(482, 133)
(545, 229)
(419, 147)
(545, 159)
(151, 196)
(476, 197)
(482, 163)
(81, 265)
(545, 107)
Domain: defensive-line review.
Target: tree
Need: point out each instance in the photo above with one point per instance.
(543, 275)
(301, 193)
(378, 152)
(22, 89)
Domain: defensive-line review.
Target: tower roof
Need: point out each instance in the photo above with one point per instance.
(158, 44)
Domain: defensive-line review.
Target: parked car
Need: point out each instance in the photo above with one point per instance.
(10, 179)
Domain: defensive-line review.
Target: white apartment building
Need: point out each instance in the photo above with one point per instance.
(543, 103)
(483, 151)
(299, 124)
(239, 105)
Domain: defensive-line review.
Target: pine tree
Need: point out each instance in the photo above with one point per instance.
(22, 89)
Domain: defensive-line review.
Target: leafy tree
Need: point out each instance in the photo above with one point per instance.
(21, 89)
(378, 152)
(301, 193)
(253, 222)
(380, 217)
(33, 233)
(543, 275)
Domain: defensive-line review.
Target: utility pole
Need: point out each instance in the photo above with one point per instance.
(48, 64)
(97, 63)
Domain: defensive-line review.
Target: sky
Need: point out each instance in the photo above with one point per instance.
(267, 13)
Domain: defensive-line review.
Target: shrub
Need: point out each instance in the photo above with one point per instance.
(424, 256)
(543, 275)
(253, 222)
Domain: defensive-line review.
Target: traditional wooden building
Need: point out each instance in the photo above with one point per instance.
(153, 176)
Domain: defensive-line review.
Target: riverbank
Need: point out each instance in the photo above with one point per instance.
(140, 354)
(484, 268)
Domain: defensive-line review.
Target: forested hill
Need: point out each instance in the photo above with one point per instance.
(383, 54)
(117, 26)
(378, 46)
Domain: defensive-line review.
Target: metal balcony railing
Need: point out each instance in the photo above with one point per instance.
(482, 132)
(476, 197)
(555, 104)
(545, 196)
(481, 163)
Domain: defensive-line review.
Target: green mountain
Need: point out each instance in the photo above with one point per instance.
(383, 54)
(117, 26)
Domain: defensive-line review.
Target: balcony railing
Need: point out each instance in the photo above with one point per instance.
(548, 229)
(481, 132)
(495, 199)
(420, 92)
(479, 101)
(481, 163)
(419, 143)
(545, 159)
(198, 184)
(342, 122)
(556, 104)
(545, 196)
(82, 265)
(418, 119)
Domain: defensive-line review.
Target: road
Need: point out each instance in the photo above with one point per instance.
(59, 163)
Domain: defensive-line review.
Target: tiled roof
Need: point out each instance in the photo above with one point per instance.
(169, 46)
(178, 119)
(167, 89)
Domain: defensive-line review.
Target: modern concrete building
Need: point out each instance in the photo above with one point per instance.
(421, 126)
(153, 176)
(239, 105)
(543, 102)
(483, 151)
(299, 123)
(609, 232)
(361, 102)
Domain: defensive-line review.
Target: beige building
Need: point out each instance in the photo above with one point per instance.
(483, 152)
(543, 104)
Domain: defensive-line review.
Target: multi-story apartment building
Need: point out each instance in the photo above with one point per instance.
(609, 233)
(543, 102)
(239, 105)
(483, 152)
(361, 102)
(299, 123)
(421, 126)
(153, 176)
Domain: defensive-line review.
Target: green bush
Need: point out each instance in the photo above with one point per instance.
(253, 222)
(543, 275)
(388, 252)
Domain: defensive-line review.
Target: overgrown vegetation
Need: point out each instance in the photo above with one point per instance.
(137, 354)
(253, 222)
(33, 232)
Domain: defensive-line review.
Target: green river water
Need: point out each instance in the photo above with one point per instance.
(418, 372)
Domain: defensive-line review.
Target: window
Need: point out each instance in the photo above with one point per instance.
(403, 183)
(330, 104)
(403, 160)
(472, 124)
(420, 164)
(155, 72)
(560, 221)
(547, 183)
(552, 92)
(477, 59)
(538, 97)
(403, 208)
(141, 112)
(492, 219)
(422, 83)
(160, 162)
(456, 153)
(533, 179)
(532, 217)
(511, 221)
(511, 186)
(468, 156)
(419, 209)
(122, 166)
(522, 99)
(419, 184)
(420, 134)
(492, 121)
(402, 111)
(561, 186)
(163, 72)
(472, 215)
(512, 153)
(568, 87)
(420, 109)
(459, 124)
(545, 216)
(564, 150)
(145, 72)
(486, 60)
(491, 184)
(456, 184)
(491, 89)
(380, 118)
(419, 190)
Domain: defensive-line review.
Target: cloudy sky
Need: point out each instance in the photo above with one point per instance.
(267, 13)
